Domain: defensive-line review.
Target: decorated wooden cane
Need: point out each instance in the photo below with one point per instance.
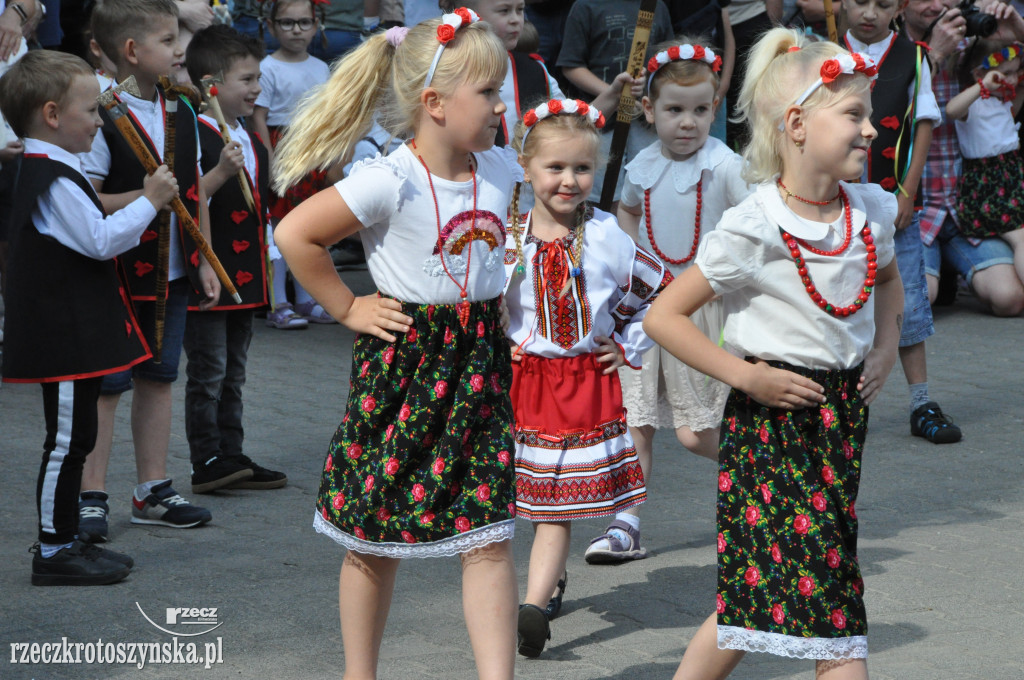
(213, 107)
(163, 252)
(627, 104)
(118, 114)
(830, 22)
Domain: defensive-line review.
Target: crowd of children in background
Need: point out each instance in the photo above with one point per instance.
(507, 365)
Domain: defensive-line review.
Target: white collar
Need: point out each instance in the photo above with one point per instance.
(776, 210)
(53, 152)
(875, 50)
(650, 165)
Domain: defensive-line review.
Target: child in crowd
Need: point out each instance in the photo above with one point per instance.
(217, 339)
(141, 38)
(69, 321)
(598, 38)
(903, 111)
(421, 465)
(579, 288)
(992, 185)
(286, 76)
(813, 300)
(684, 173)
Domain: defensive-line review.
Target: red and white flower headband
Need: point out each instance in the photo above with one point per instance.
(450, 23)
(684, 52)
(553, 107)
(843, 64)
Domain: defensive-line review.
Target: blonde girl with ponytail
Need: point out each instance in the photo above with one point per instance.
(806, 272)
(578, 291)
(421, 463)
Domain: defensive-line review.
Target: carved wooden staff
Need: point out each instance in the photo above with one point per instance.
(163, 251)
(830, 22)
(624, 114)
(118, 114)
(213, 106)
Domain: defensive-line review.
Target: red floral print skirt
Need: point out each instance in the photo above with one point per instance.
(991, 195)
(788, 578)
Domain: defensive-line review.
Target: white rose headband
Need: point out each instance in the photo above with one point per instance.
(553, 107)
(844, 64)
(446, 32)
(684, 52)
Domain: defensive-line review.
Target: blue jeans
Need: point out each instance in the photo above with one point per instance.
(174, 328)
(216, 345)
(966, 258)
(338, 43)
(917, 312)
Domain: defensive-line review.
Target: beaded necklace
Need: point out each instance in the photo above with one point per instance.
(696, 227)
(463, 306)
(794, 244)
(790, 194)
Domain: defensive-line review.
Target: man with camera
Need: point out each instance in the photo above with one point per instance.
(948, 28)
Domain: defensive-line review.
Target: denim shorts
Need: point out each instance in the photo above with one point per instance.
(966, 258)
(174, 332)
(917, 311)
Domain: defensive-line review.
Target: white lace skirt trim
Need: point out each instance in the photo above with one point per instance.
(743, 639)
(453, 545)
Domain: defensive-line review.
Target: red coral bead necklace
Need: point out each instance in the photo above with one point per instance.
(696, 227)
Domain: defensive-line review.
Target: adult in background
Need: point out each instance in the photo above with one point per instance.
(986, 265)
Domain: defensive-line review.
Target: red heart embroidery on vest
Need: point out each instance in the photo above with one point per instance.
(889, 183)
(242, 278)
(192, 194)
(148, 235)
(891, 122)
(889, 152)
(238, 215)
(142, 268)
(194, 259)
(239, 246)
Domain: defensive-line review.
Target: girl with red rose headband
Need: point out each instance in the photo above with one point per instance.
(421, 465)
(674, 193)
(579, 289)
(991, 187)
(813, 301)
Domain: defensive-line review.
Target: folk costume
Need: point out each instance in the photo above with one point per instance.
(526, 83)
(421, 465)
(788, 578)
(666, 392)
(574, 455)
(69, 320)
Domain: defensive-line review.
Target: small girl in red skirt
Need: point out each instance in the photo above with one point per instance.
(813, 299)
(579, 290)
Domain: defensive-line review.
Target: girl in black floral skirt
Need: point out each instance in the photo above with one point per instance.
(421, 464)
(813, 299)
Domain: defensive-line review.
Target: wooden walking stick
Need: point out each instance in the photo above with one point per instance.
(213, 106)
(830, 22)
(118, 114)
(627, 104)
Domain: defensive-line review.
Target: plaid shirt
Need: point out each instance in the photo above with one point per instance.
(942, 170)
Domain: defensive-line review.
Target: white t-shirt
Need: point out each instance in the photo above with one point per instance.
(392, 198)
(989, 129)
(768, 313)
(284, 83)
(673, 186)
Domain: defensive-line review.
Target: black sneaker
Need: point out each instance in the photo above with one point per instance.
(262, 478)
(80, 564)
(218, 472)
(113, 556)
(92, 517)
(930, 422)
(165, 507)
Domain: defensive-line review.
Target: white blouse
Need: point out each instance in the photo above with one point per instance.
(767, 309)
(989, 129)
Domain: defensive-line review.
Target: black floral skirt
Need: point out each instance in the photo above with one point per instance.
(991, 195)
(788, 579)
(422, 464)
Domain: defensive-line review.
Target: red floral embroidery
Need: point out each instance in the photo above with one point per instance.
(148, 235)
(142, 268)
(238, 215)
(891, 122)
(239, 246)
(242, 278)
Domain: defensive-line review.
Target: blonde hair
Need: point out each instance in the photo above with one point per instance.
(566, 124)
(683, 72)
(39, 77)
(775, 77)
(379, 78)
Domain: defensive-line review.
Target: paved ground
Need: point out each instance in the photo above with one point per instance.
(941, 543)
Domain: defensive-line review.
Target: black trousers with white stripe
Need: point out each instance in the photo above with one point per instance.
(71, 420)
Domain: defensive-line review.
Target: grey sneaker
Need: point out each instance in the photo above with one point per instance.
(163, 506)
(92, 517)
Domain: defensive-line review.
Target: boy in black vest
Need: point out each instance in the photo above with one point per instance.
(69, 321)
(140, 37)
(903, 113)
(217, 340)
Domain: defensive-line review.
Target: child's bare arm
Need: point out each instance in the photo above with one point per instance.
(207, 276)
(628, 217)
(905, 201)
(728, 56)
(260, 127)
(958, 105)
(114, 202)
(878, 364)
(585, 79)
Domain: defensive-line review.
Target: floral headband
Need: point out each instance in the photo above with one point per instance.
(553, 107)
(446, 32)
(1008, 53)
(684, 52)
(844, 64)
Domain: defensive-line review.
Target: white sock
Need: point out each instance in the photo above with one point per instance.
(280, 274)
(301, 296)
(48, 550)
(631, 520)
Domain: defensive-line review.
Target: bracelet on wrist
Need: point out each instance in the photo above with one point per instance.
(16, 6)
(985, 93)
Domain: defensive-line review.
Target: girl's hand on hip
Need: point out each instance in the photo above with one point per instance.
(779, 388)
(376, 316)
(608, 352)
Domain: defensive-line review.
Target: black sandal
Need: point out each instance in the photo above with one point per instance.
(555, 604)
(534, 630)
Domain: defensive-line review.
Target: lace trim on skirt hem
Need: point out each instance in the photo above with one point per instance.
(447, 547)
(852, 647)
